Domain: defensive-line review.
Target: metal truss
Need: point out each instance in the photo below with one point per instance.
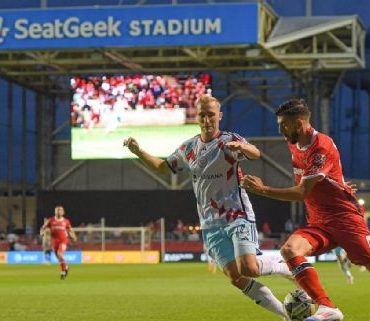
(322, 43)
(40, 70)
(312, 48)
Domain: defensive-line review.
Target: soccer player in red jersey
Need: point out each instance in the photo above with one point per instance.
(333, 214)
(60, 227)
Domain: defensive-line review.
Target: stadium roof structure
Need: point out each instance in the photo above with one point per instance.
(332, 42)
(326, 45)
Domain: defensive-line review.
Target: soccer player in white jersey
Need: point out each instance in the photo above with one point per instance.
(225, 212)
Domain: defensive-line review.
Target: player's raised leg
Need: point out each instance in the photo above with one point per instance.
(254, 290)
(344, 264)
(294, 252)
(245, 238)
(234, 248)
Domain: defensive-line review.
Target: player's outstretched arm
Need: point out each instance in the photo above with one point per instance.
(72, 234)
(155, 163)
(43, 228)
(248, 150)
(255, 185)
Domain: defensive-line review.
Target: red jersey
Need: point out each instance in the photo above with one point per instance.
(59, 228)
(330, 199)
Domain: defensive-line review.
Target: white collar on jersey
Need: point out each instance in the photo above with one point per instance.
(303, 148)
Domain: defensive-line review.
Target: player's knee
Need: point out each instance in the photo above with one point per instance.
(250, 270)
(237, 281)
(288, 250)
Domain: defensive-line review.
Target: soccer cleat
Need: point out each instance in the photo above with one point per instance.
(362, 268)
(325, 313)
(64, 274)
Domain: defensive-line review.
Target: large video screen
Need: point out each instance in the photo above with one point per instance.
(157, 110)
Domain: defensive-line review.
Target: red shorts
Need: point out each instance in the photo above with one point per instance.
(353, 237)
(59, 245)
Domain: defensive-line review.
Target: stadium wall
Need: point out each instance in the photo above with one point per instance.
(16, 207)
(125, 257)
(137, 208)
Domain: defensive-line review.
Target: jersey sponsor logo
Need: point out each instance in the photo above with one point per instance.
(207, 176)
(212, 176)
(298, 171)
(58, 227)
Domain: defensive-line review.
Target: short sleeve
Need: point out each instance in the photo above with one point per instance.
(237, 155)
(68, 224)
(318, 163)
(177, 160)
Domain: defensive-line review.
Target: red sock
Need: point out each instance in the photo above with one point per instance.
(308, 279)
(63, 266)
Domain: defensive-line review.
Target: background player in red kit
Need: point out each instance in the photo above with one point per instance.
(334, 216)
(59, 227)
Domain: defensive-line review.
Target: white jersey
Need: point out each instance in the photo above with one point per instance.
(216, 175)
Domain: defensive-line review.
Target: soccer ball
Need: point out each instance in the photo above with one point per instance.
(298, 305)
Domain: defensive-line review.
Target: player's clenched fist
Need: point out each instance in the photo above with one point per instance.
(132, 145)
(234, 146)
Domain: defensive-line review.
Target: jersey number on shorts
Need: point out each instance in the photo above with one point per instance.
(242, 233)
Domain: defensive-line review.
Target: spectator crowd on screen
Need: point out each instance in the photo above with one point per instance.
(98, 98)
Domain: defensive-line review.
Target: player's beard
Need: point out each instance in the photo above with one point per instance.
(294, 138)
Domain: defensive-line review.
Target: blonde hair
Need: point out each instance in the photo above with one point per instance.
(207, 100)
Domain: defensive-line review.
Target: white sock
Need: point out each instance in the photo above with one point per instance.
(272, 265)
(263, 296)
(345, 267)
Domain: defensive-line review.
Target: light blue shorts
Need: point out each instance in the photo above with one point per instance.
(224, 244)
(339, 251)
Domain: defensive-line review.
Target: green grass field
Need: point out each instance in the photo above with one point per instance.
(164, 292)
(160, 141)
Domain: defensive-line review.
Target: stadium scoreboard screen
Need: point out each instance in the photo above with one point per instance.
(157, 110)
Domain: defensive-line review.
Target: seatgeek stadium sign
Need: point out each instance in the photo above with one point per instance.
(226, 24)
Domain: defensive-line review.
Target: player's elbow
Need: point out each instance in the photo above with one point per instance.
(257, 154)
(163, 168)
(254, 153)
(301, 193)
